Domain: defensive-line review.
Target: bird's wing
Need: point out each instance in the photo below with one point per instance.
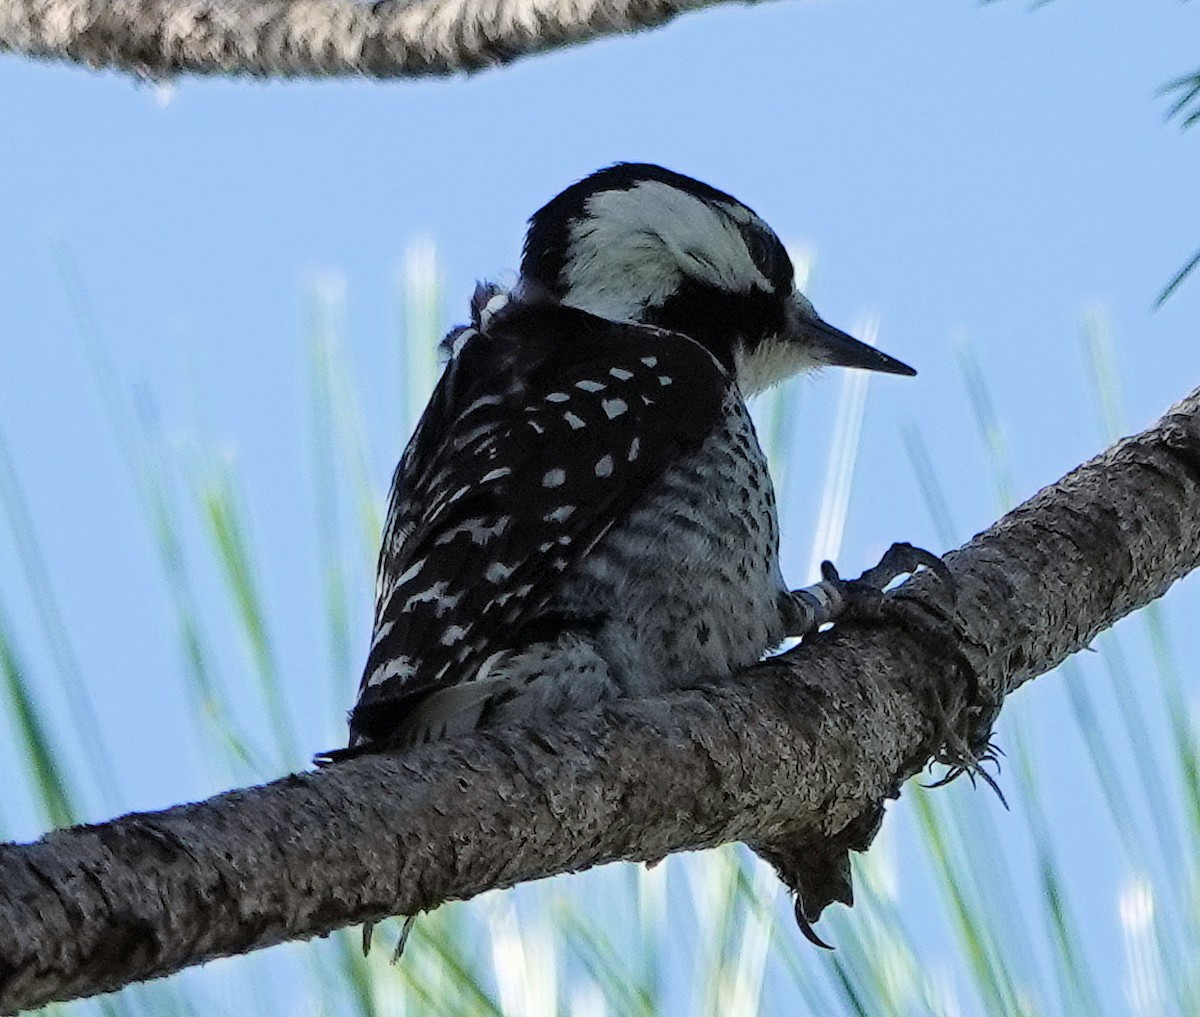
(542, 433)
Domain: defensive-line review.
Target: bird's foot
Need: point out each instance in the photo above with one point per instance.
(958, 702)
(964, 709)
(834, 598)
(818, 874)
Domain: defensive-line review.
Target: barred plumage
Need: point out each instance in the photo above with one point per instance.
(540, 423)
(584, 511)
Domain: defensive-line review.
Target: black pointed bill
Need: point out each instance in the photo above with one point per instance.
(838, 349)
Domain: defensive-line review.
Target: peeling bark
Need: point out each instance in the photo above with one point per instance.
(315, 38)
(792, 752)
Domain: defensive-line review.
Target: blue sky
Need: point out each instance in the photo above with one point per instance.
(987, 172)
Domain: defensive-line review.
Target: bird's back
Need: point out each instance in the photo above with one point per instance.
(584, 506)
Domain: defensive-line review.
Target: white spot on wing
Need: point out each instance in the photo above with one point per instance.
(575, 421)
(604, 466)
(381, 633)
(495, 474)
(520, 593)
(614, 407)
(664, 380)
(557, 397)
(650, 361)
(482, 401)
(560, 514)
(464, 337)
(486, 667)
(620, 373)
(494, 304)
(479, 529)
(474, 434)
(554, 478)
(536, 426)
(435, 594)
(411, 573)
(591, 386)
(400, 667)
(497, 572)
(452, 635)
(635, 447)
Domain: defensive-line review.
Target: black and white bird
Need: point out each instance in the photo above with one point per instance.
(584, 511)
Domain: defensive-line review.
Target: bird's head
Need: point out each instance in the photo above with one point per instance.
(636, 242)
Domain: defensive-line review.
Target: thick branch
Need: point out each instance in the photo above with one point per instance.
(315, 38)
(789, 752)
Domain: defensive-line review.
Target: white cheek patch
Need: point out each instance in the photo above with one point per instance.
(772, 361)
(636, 246)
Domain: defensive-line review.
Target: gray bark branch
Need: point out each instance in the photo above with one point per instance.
(315, 38)
(787, 752)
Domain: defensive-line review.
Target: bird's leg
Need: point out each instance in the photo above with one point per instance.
(964, 709)
(834, 598)
(960, 705)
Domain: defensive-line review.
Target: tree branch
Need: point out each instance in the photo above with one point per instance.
(791, 751)
(315, 38)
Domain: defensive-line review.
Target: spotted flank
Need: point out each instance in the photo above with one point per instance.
(584, 510)
(533, 445)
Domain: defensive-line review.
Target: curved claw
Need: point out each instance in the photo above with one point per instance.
(973, 768)
(834, 598)
(402, 942)
(904, 559)
(806, 928)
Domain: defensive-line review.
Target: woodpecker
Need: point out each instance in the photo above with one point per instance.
(584, 511)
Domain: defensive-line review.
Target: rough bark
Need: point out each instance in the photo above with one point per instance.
(790, 752)
(315, 38)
